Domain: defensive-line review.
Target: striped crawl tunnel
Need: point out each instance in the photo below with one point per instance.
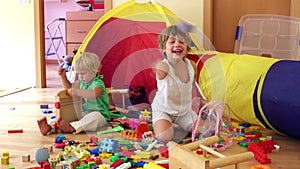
(261, 91)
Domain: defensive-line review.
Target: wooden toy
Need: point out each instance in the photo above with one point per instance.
(26, 158)
(180, 154)
(5, 160)
(67, 107)
(15, 131)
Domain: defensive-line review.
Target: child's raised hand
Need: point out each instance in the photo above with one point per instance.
(61, 71)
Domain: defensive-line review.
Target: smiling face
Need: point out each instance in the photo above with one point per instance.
(176, 47)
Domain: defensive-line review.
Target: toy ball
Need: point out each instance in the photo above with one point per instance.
(41, 154)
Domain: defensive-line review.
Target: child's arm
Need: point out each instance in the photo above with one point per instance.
(65, 82)
(162, 70)
(89, 94)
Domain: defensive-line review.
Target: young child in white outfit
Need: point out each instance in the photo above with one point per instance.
(175, 75)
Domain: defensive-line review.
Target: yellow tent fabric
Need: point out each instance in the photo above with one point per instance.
(234, 77)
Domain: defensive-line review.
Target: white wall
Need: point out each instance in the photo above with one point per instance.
(17, 58)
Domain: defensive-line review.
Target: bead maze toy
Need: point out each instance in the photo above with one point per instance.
(179, 155)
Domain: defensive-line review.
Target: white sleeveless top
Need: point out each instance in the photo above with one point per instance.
(174, 96)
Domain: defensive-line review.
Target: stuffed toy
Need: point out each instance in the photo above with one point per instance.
(67, 63)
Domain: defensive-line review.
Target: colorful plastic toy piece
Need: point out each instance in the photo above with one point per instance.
(15, 131)
(109, 145)
(260, 150)
(115, 129)
(4, 160)
(116, 164)
(143, 127)
(145, 114)
(152, 165)
(164, 152)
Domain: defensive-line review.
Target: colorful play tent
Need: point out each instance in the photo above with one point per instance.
(261, 91)
(125, 39)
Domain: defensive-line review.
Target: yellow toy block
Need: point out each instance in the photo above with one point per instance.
(5, 160)
(144, 154)
(5, 154)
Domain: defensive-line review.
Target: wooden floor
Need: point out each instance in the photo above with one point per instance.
(21, 111)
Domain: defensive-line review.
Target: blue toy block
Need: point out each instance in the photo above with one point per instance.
(109, 145)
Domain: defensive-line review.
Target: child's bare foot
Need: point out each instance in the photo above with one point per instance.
(65, 126)
(45, 128)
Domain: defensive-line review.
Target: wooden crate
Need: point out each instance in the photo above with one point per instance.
(182, 157)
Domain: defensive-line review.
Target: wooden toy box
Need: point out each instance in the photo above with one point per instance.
(182, 157)
(67, 107)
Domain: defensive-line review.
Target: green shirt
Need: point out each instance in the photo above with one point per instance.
(101, 104)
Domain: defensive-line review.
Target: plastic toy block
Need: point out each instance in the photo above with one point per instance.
(10, 167)
(103, 166)
(131, 135)
(260, 150)
(152, 165)
(164, 152)
(96, 159)
(93, 139)
(5, 160)
(136, 158)
(109, 145)
(91, 163)
(116, 164)
(5, 154)
(53, 162)
(114, 158)
(141, 163)
(128, 154)
(145, 154)
(44, 106)
(45, 165)
(48, 147)
(26, 157)
(105, 155)
(124, 166)
(96, 151)
(47, 111)
(15, 131)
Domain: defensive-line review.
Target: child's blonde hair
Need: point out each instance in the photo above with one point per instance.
(172, 31)
(88, 61)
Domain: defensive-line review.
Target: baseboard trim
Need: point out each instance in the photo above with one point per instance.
(52, 61)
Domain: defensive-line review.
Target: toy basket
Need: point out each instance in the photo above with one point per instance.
(214, 119)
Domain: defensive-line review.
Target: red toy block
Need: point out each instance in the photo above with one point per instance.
(260, 150)
(164, 152)
(116, 164)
